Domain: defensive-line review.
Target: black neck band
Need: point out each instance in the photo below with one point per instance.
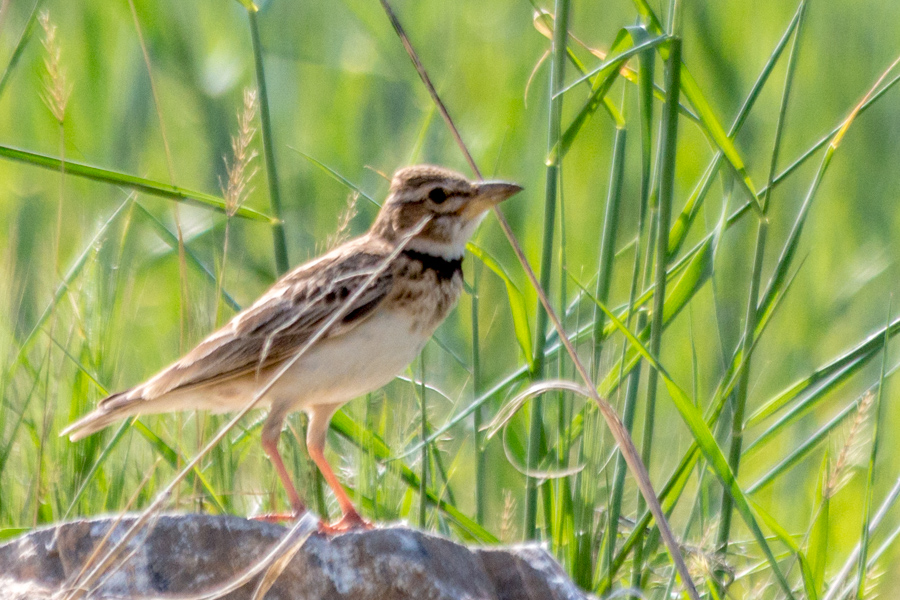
(445, 268)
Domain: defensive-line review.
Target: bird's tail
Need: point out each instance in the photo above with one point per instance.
(111, 409)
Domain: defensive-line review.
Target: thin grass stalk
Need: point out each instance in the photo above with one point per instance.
(557, 74)
(560, 487)
(752, 313)
(608, 238)
(281, 254)
(668, 144)
(183, 307)
(862, 566)
(423, 478)
(645, 85)
(55, 96)
(480, 483)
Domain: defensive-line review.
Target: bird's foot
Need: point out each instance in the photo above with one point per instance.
(349, 522)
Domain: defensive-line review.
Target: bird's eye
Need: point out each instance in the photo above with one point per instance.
(437, 195)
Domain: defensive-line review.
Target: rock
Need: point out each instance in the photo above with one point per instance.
(179, 555)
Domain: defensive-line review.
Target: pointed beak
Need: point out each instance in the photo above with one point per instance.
(497, 191)
(490, 193)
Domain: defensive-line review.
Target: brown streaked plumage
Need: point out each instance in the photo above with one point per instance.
(413, 256)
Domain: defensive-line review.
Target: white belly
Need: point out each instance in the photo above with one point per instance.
(342, 368)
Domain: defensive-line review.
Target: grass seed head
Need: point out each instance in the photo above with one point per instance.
(841, 471)
(241, 169)
(56, 89)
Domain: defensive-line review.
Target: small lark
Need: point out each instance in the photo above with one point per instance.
(402, 279)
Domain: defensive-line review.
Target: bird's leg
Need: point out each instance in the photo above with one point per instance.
(319, 418)
(270, 434)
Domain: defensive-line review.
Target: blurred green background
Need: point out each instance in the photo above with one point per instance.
(344, 95)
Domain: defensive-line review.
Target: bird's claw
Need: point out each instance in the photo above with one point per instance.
(351, 521)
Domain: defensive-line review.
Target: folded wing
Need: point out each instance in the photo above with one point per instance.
(278, 325)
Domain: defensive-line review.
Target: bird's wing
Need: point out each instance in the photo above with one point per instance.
(282, 320)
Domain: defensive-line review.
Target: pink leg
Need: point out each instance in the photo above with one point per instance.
(270, 434)
(315, 445)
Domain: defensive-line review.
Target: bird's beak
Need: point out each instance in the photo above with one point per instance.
(489, 194)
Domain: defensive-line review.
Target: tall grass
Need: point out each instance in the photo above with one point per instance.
(730, 308)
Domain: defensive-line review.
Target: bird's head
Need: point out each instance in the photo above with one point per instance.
(451, 205)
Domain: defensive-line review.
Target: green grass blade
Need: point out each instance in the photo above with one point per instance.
(629, 75)
(516, 301)
(790, 247)
(646, 63)
(695, 274)
(826, 139)
(281, 254)
(788, 540)
(752, 314)
(668, 145)
(863, 567)
(140, 184)
(608, 240)
(817, 546)
(801, 160)
(20, 46)
(337, 177)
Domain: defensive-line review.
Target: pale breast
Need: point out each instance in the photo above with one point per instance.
(360, 361)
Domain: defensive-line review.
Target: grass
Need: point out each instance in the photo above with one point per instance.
(730, 309)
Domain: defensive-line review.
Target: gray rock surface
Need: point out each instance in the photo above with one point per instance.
(185, 555)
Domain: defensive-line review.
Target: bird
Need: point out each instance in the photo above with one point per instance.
(332, 329)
